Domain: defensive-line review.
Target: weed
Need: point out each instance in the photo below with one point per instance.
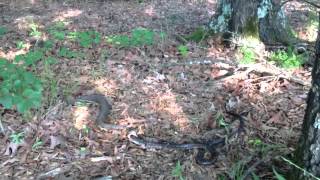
(86, 129)
(255, 142)
(237, 170)
(72, 35)
(138, 37)
(17, 138)
(220, 120)
(37, 144)
(3, 30)
(278, 176)
(287, 59)
(59, 35)
(59, 25)
(87, 38)
(30, 58)
(141, 36)
(198, 35)
(248, 55)
(65, 52)
(183, 50)
(19, 87)
(34, 30)
(21, 45)
(177, 171)
(46, 45)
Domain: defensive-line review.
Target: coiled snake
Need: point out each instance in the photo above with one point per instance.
(203, 147)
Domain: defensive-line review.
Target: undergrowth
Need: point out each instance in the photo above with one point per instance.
(137, 37)
(287, 59)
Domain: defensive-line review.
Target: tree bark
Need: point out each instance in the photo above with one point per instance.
(307, 154)
(259, 18)
(267, 21)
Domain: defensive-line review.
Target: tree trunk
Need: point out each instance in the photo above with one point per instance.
(308, 152)
(265, 20)
(258, 18)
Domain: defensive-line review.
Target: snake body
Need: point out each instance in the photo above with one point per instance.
(203, 147)
(104, 110)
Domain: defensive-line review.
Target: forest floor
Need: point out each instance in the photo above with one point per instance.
(166, 88)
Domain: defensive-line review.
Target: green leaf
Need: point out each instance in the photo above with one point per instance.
(183, 50)
(3, 30)
(6, 101)
(51, 60)
(59, 35)
(23, 106)
(21, 45)
(278, 176)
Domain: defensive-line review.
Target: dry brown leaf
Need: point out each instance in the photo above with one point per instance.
(12, 148)
(56, 140)
(277, 119)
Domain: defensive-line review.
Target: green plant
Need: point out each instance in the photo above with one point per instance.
(142, 36)
(21, 45)
(183, 50)
(72, 35)
(198, 35)
(220, 120)
(17, 138)
(87, 38)
(287, 59)
(138, 37)
(237, 170)
(177, 171)
(248, 55)
(37, 144)
(86, 129)
(59, 35)
(256, 142)
(18, 87)
(65, 52)
(3, 30)
(34, 30)
(59, 25)
(30, 58)
(278, 176)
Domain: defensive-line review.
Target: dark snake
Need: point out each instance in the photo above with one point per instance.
(203, 147)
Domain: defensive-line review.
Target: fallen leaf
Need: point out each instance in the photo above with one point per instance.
(276, 119)
(56, 140)
(12, 148)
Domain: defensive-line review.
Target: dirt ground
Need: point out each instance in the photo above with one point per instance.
(154, 90)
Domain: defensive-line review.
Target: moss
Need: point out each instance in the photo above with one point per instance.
(198, 35)
(251, 28)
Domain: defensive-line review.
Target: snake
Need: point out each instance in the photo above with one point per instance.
(203, 147)
(104, 110)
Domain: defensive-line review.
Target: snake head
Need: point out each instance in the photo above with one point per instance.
(132, 133)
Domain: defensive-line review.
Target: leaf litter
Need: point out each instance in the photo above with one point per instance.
(149, 92)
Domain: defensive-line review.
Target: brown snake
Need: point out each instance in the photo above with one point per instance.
(104, 110)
